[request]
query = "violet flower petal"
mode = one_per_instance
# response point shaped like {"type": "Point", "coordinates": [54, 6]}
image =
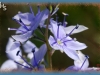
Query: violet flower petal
{"type": "Point", "coordinates": [8, 65]}
{"type": "Point", "coordinates": [45, 16]}
{"type": "Point", "coordinates": [58, 33]}
{"type": "Point", "coordinates": [12, 54]}
{"type": "Point", "coordinates": [78, 63]}
{"type": "Point", "coordinates": [22, 29]}
{"type": "Point", "coordinates": [28, 46]}
{"type": "Point", "coordinates": [75, 45]}
{"type": "Point", "coordinates": [23, 37]}
{"type": "Point", "coordinates": [26, 18]}
{"type": "Point", "coordinates": [39, 55]}
{"type": "Point", "coordinates": [70, 53]}
{"type": "Point", "coordinates": [11, 45]}
{"type": "Point", "coordinates": [80, 29]}
{"type": "Point", "coordinates": [71, 68]}
{"type": "Point", "coordinates": [38, 19]}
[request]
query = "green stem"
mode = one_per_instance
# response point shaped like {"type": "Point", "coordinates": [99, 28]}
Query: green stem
{"type": "Point", "coordinates": [48, 54]}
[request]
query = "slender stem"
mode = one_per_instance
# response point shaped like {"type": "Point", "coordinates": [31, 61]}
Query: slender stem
{"type": "Point", "coordinates": [48, 54]}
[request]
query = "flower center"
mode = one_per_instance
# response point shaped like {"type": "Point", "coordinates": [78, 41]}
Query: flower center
{"type": "Point", "coordinates": [59, 42]}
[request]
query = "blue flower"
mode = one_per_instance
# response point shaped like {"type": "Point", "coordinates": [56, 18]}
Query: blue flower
{"type": "Point", "coordinates": [14, 46]}
{"type": "Point", "coordinates": [80, 65]}
{"type": "Point", "coordinates": [25, 32]}
{"type": "Point", "coordinates": [36, 59]}
{"type": "Point", "coordinates": [64, 42]}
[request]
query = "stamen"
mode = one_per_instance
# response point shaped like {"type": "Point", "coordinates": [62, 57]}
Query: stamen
{"type": "Point", "coordinates": [57, 18]}
{"type": "Point", "coordinates": [71, 32]}
{"type": "Point", "coordinates": [86, 56]}
{"type": "Point", "coordinates": [59, 23]}
{"type": "Point", "coordinates": [77, 26]}
{"type": "Point", "coordinates": [64, 14]}
{"type": "Point", "coordinates": [23, 59]}
{"type": "Point", "coordinates": [58, 32]}
{"type": "Point", "coordinates": [12, 29]}
{"type": "Point", "coordinates": [58, 29]}
{"type": "Point", "coordinates": [31, 9]}
{"type": "Point", "coordinates": [15, 29]}
{"type": "Point", "coordinates": [33, 50]}
{"type": "Point", "coordinates": [23, 65]}
{"type": "Point", "coordinates": [84, 61]}
{"type": "Point", "coordinates": [64, 18]}
{"type": "Point", "coordinates": [38, 9]}
{"type": "Point", "coordinates": [21, 23]}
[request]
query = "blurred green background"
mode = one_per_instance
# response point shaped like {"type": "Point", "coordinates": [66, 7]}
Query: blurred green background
{"type": "Point", "coordinates": [83, 14]}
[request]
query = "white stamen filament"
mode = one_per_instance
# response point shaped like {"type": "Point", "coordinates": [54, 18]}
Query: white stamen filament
{"type": "Point", "coordinates": [12, 29]}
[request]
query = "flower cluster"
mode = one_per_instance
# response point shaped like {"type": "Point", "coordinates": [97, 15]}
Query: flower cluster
{"type": "Point", "coordinates": [59, 40]}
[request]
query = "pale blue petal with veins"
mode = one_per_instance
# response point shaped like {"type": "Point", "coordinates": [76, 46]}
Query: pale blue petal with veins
{"type": "Point", "coordinates": [8, 65]}
{"type": "Point", "coordinates": [12, 54]}
{"type": "Point", "coordinates": [23, 37]}
{"type": "Point", "coordinates": [26, 18]}
{"type": "Point", "coordinates": [80, 29]}
{"type": "Point", "coordinates": [12, 44]}
{"type": "Point", "coordinates": [28, 46]}
{"type": "Point", "coordinates": [11, 49]}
